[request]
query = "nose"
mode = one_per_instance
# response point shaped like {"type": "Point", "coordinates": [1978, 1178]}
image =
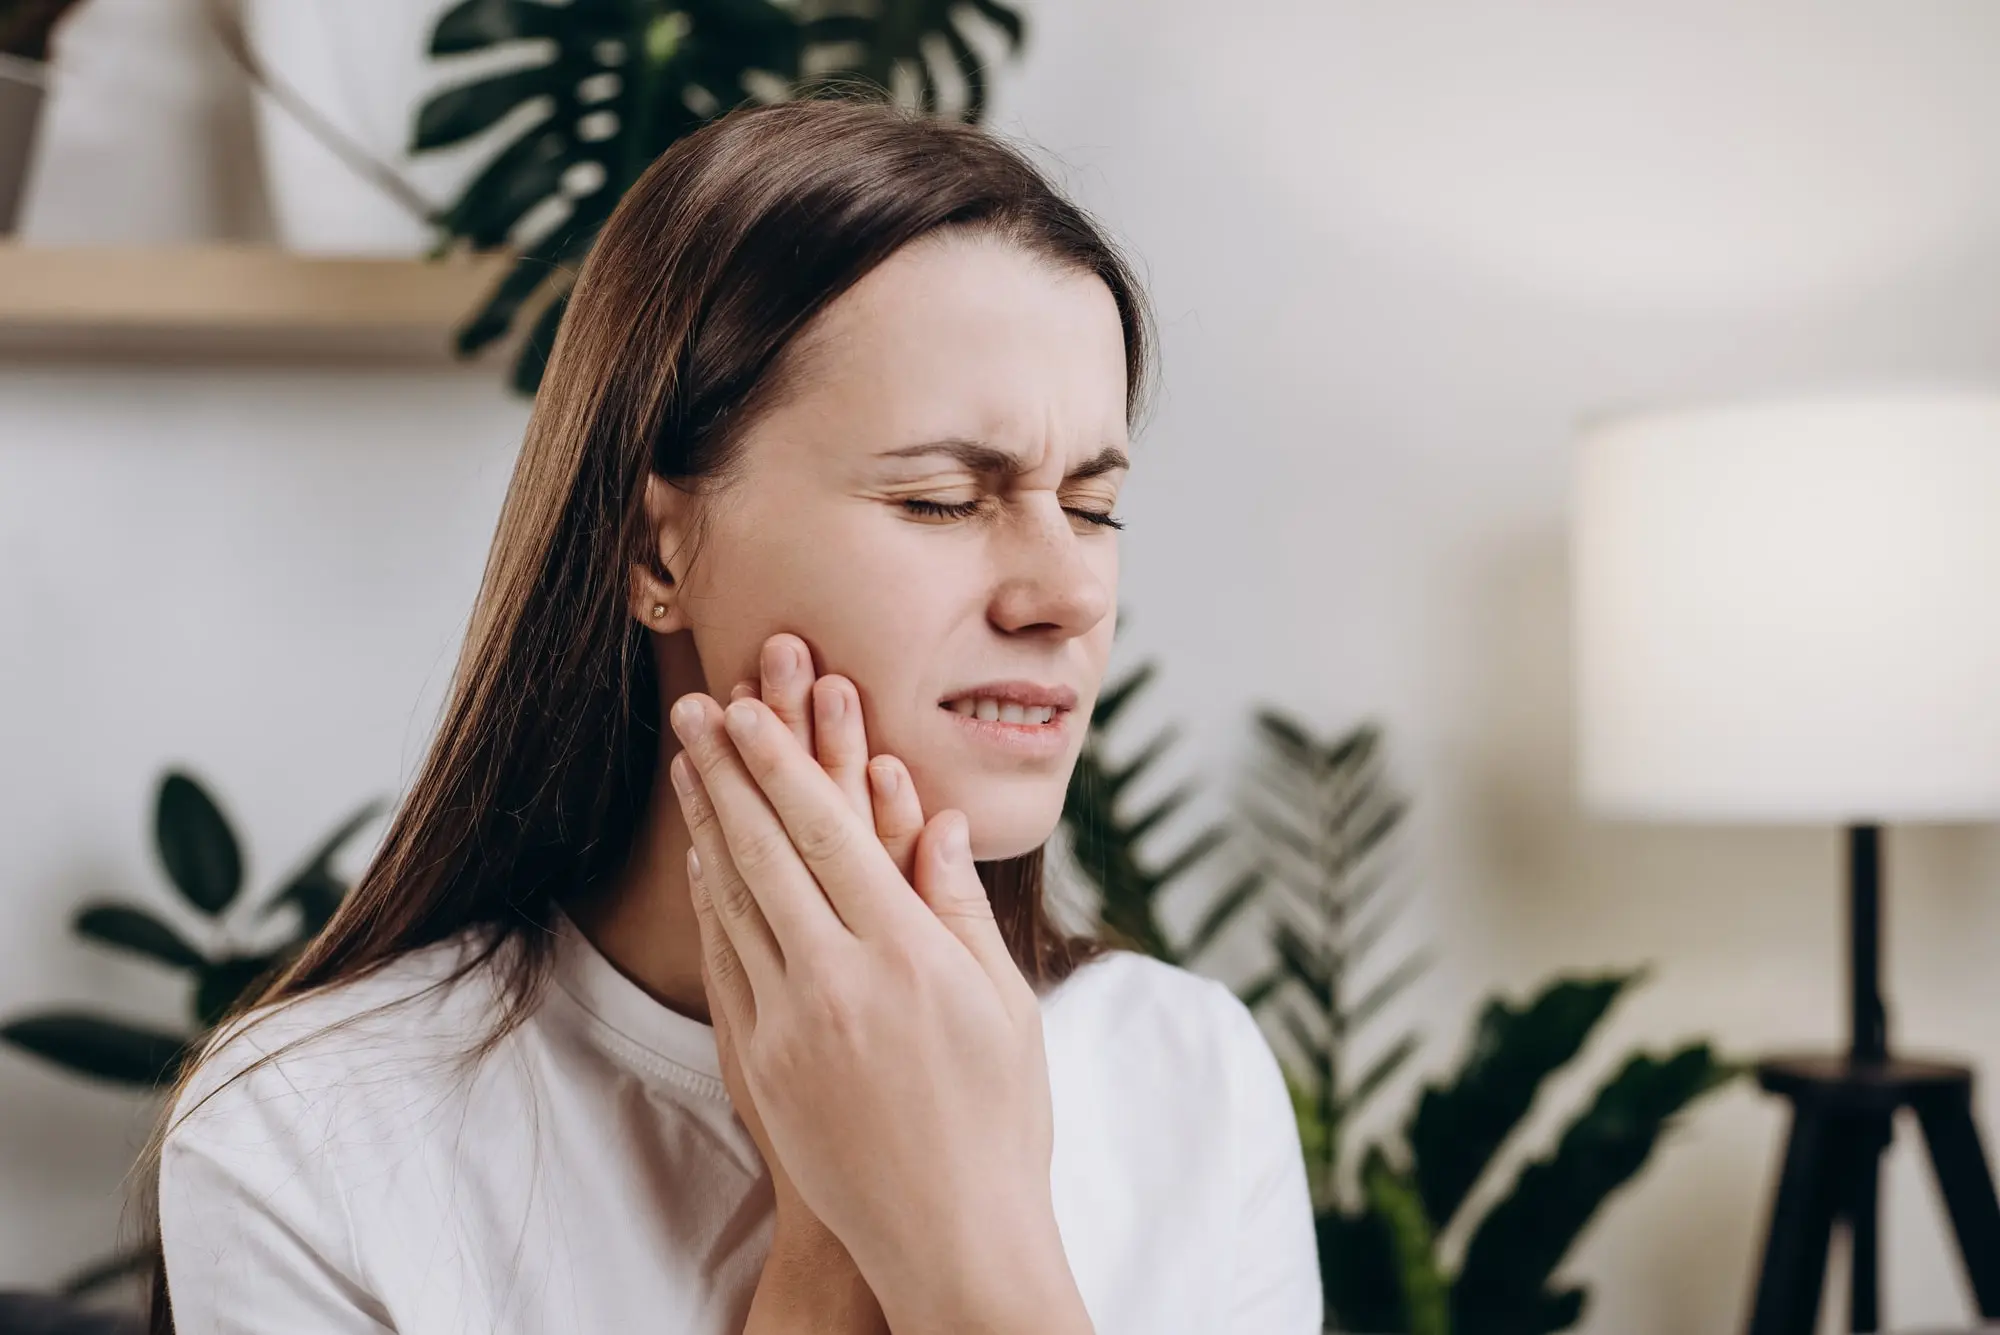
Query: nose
{"type": "Point", "coordinates": [1049, 579]}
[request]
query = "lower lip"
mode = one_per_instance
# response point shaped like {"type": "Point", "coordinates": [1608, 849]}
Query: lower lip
{"type": "Point", "coordinates": [1039, 741]}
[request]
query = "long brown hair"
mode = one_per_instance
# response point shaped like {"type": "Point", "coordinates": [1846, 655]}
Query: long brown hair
{"type": "Point", "coordinates": [675, 338]}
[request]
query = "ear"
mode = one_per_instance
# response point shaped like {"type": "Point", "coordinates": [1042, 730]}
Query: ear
{"type": "Point", "coordinates": [657, 583]}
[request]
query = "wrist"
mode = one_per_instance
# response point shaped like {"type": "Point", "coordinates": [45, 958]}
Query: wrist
{"type": "Point", "coordinates": [1014, 1285]}
{"type": "Point", "coordinates": [810, 1283]}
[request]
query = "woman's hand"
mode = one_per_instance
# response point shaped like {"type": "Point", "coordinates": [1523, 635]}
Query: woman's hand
{"type": "Point", "coordinates": [888, 1042]}
{"type": "Point", "coordinates": [810, 1281]}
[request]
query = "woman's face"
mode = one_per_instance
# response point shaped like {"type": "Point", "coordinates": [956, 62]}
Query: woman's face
{"type": "Point", "coordinates": [954, 362]}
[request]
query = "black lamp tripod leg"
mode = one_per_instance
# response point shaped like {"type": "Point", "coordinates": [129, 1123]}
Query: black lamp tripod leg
{"type": "Point", "coordinates": [1967, 1187]}
{"type": "Point", "coordinates": [1865, 1148]}
{"type": "Point", "coordinates": [1794, 1273]}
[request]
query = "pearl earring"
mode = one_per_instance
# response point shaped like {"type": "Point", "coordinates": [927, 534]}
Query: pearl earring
{"type": "Point", "coordinates": [659, 610]}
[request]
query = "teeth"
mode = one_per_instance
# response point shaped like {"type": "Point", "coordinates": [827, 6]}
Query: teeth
{"type": "Point", "coordinates": [1005, 713]}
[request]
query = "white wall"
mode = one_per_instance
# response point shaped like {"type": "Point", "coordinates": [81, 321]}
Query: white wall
{"type": "Point", "coordinates": [1396, 252]}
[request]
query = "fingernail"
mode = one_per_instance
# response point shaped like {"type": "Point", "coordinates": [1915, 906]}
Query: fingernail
{"type": "Point", "coordinates": [741, 719]}
{"type": "Point", "coordinates": [694, 865]}
{"type": "Point", "coordinates": [778, 662]}
{"type": "Point", "coordinates": [832, 704]}
{"type": "Point", "coordinates": [686, 713]}
{"type": "Point", "coordinates": [741, 690]}
{"type": "Point", "coordinates": [682, 772]}
{"type": "Point", "coordinates": [884, 778]}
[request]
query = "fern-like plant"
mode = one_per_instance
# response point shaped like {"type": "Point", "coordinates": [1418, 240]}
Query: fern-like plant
{"type": "Point", "coordinates": [1320, 817]}
{"type": "Point", "coordinates": [621, 80]}
{"type": "Point", "coordinates": [1104, 842]}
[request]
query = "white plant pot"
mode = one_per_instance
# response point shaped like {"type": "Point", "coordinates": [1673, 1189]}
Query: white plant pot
{"type": "Point", "coordinates": [21, 87]}
{"type": "Point", "coordinates": [363, 66]}
{"type": "Point", "coordinates": [145, 134]}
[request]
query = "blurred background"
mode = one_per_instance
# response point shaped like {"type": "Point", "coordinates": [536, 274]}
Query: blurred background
{"type": "Point", "coordinates": [1402, 256]}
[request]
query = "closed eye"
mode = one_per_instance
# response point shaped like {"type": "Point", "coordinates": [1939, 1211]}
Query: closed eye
{"type": "Point", "coordinates": [966, 509]}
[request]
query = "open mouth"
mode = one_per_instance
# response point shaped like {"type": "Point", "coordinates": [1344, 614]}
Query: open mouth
{"type": "Point", "coordinates": [995, 711]}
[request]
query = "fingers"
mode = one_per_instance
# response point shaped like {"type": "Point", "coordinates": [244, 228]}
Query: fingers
{"type": "Point", "coordinates": [837, 848]}
{"type": "Point", "coordinates": [787, 671]}
{"type": "Point", "coordinates": [840, 741]}
{"type": "Point", "coordinates": [949, 883]}
{"type": "Point", "coordinates": [732, 1004]}
{"type": "Point", "coordinates": [705, 772]}
{"type": "Point", "coordinates": [899, 816]}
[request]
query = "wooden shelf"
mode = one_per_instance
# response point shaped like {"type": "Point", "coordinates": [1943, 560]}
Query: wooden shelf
{"type": "Point", "coordinates": [237, 304]}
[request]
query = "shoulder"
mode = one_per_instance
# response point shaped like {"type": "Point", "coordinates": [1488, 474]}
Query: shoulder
{"type": "Point", "coordinates": [305, 1065]}
{"type": "Point", "coordinates": [1121, 987]}
{"type": "Point", "coordinates": [1133, 1010]}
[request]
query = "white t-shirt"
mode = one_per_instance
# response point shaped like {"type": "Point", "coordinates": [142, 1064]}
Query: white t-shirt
{"type": "Point", "coordinates": [590, 1175]}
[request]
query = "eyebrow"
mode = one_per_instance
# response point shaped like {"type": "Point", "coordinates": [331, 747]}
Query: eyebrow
{"type": "Point", "coordinates": [980, 457]}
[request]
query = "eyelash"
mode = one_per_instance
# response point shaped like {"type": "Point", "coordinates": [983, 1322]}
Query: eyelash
{"type": "Point", "coordinates": [966, 509]}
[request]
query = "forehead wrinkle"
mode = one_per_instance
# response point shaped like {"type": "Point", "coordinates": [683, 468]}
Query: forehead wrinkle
{"type": "Point", "coordinates": [979, 457]}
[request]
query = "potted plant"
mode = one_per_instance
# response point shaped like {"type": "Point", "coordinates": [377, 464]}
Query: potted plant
{"type": "Point", "coordinates": [1321, 889]}
{"type": "Point", "coordinates": [204, 864]}
{"type": "Point", "coordinates": [25, 29]}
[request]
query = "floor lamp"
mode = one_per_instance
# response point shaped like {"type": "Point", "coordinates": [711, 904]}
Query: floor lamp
{"type": "Point", "coordinates": [1789, 613]}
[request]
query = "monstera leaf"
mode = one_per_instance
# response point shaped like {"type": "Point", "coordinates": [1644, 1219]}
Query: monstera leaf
{"type": "Point", "coordinates": [618, 82]}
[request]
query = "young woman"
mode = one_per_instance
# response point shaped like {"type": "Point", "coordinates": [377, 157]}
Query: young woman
{"type": "Point", "coordinates": [703, 981]}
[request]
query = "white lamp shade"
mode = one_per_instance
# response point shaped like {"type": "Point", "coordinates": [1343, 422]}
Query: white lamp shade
{"type": "Point", "coordinates": [1790, 612]}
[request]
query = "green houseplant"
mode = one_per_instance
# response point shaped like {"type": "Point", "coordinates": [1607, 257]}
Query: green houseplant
{"type": "Point", "coordinates": [624, 79]}
{"type": "Point", "coordinates": [204, 864]}
{"type": "Point", "coordinates": [1324, 817]}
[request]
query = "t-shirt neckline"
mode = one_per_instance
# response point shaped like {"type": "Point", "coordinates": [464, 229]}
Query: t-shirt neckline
{"type": "Point", "coordinates": [649, 1028]}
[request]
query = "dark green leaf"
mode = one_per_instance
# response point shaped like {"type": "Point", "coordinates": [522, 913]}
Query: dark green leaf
{"type": "Point", "coordinates": [476, 25]}
{"type": "Point", "coordinates": [1287, 739]}
{"type": "Point", "coordinates": [141, 933]}
{"type": "Point", "coordinates": [519, 177]}
{"type": "Point", "coordinates": [1309, 962]}
{"type": "Point", "coordinates": [1259, 990]}
{"type": "Point", "coordinates": [1524, 1238]}
{"type": "Point", "coordinates": [1379, 1073]}
{"type": "Point", "coordinates": [1357, 1263]}
{"type": "Point", "coordinates": [317, 895]}
{"type": "Point", "coordinates": [1008, 22]}
{"type": "Point", "coordinates": [1386, 991]}
{"type": "Point", "coordinates": [226, 980]}
{"type": "Point", "coordinates": [320, 859]}
{"type": "Point", "coordinates": [1313, 1048]}
{"type": "Point", "coordinates": [1143, 824]}
{"type": "Point", "coordinates": [464, 110]}
{"type": "Point", "coordinates": [1392, 1197]}
{"type": "Point", "coordinates": [830, 29]}
{"type": "Point", "coordinates": [1283, 837]}
{"type": "Point", "coordinates": [313, 887]}
{"type": "Point", "coordinates": [1119, 779]}
{"type": "Point", "coordinates": [196, 845]}
{"type": "Point", "coordinates": [971, 68]}
{"type": "Point", "coordinates": [535, 348]}
{"type": "Point", "coordinates": [1458, 1127]}
{"type": "Point", "coordinates": [1196, 849]}
{"type": "Point", "coordinates": [1112, 700]}
{"type": "Point", "coordinates": [105, 1049]}
{"type": "Point", "coordinates": [1222, 911]}
{"type": "Point", "coordinates": [107, 1271]}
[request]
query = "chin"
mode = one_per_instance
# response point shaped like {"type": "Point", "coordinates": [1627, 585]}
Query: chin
{"type": "Point", "coordinates": [1009, 831]}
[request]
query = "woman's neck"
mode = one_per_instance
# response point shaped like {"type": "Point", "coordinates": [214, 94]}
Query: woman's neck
{"type": "Point", "coordinates": [644, 923]}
